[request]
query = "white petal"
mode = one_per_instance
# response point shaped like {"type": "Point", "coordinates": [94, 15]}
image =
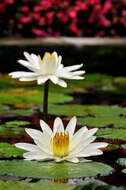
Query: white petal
{"type": "Point", "coordinates": [35, 134]}
{"type": "Point", "coordinates": [35, 156]}
{"type": "Point", "coordinates": [71, 127]}
{"type": "Point", "coordinates": [28, 56]}
{"type": "Point", "coordinates": [76, 77]}
{"type": "Point", "coordinates": [97, 145]}
{"type": "Point", "coordinates": [24, 63]}
{"type": "Point", "coordinates": [62, 83]}
{"type": "Point", "coordinates": [46, 128]}
{"type": "Point", "coordinates": [77, 137]}
{"type": "Point", "coordinates": [46, 63]}
{"type": "Point", "coordinates": [54, 63]}
{"type": "Point", "coordinates": [23, 79]}
{"type": "Point", "coordinates": [78, 73]}
{"type": "Point", "coordinates": [54, 79]}
{"type": "Point", "coordinates": [81, 145]}
{"type": "Point", "coordinates": [27, 146]}
{"type": "Point", "coordinates": [74, 160]}
{"type": "Point", "coordinates": [46, 148]}
{"type": "Point", "coordinates": [91, 152]}
{"type": "Point", "coordinates": [72, 68]}
{"type": "Point", "coordinates": [58, 126]}
{"type": "Point", "coordinates": [42, 79]}
{"type": "Point", "coordinates": [19, 74]}
{"type": "Point", "coordinates": [35, 61]}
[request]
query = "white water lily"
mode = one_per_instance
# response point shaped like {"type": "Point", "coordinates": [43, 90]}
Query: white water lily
{"type": "Point", "coordinates": [48, 68]}
{"type": "Point", "coordinates": [61, 144]}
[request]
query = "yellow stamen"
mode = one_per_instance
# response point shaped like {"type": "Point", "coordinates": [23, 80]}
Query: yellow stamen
{"type": "Point", "coordinates": [60, 144]}
{"type": "Point", "coordinates": [51, 57]}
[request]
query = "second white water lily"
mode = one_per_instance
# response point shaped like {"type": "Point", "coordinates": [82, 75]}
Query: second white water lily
{"type": "Point", "coordinates": [61, 144]}
{"type": "Point", "coordinates": [48, 68]}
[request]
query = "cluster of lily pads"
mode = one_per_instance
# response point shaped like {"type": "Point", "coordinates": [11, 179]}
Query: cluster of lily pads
{"type": "Point", "coordinates": [21, 104]}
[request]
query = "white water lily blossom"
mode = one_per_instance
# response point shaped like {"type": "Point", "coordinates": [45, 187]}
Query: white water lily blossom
{"type": "Point", "coordinates": [62, 144]}
{"type": "Point", "coordinates": [48, 68]}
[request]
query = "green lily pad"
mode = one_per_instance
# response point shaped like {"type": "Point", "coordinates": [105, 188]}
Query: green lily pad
{"type": "Point", "coordinates": [120, 82]}
{"type": "Point", "coordinates": [16, 123]}
{"type": "Point", "coordinates": [20, 185]}
{"type": "Point", "coordinates": [23, 112]}
{"type": "Point", "coordinates": [103, 121]}
{"type": "Point", "coordinates": [8, 150]}
{"type": "Point", "coordinates": [37, 98]}
{"type": "Point", "coordinates": [111, 133]}
{"type": "Point", "coordinates": [123, 146]}
{"type": "Point", "coordinates": [11, 132]}
{"type": "Point", "coordinates": [36, 169]}
{"type": "Point", "coordinates": [4, 107]}
{"type": "Point", "coordinates": [122, 161]}
{"type": "Point", "coordinates": [94, 110]}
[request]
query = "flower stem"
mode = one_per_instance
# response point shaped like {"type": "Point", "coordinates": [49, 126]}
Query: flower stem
{"type": "Point", "coordinates": [45, 99]}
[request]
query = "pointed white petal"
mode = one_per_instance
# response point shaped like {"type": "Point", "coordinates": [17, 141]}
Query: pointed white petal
{"type": "Point", "coordinates": [77, 137]}
{"type": "Point", "coordinates": [74, 160]}
{"type": "Point", "coordinates": [54, 79]}
{"type": "Point", "coordinates": [24, 79]}
{"type": "Point", "coordinates": [35, 156]}
{"type": "Point", "coordinates": [42, 79]}
{"type": "Point", "coordinates": [27, 146]}
{"type": "Point", "coordinates": [58, 126]}
{"type": "Point", "coordinates": [62, 83]}
{"type": "Point", "coordinates": [71, 127]}
{"type": "Point", "coordinates": [54, 63]}
{"type": "Point", "coordinates": [98, 145]}
{"type": "Point", "coordinates": [35, 134]}
{"type": "Point", "coordinates": [46, 148]}
{"type": "Point", "coordinates": [72, 68]}
{"type": "Point", "coordinates": [81, 145]}
{"type": "Point", "coordinates": [46, 128]}
{"type": "Point", "coordinates": [76, 77]}
{"type": "Point", "coordinates": [78, 73]}
{"type": "Point", "coordinates": [24, 63]}
{"type": "Point", "coordinates": [82, 137]}
{"type": "Point", "coordinates": [46, 63]}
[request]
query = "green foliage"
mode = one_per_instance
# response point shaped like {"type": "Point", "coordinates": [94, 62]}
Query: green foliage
{"type": "Point", "coordinates": [21, 98]}
{"type": "Point", "coordinates": [111, 133]}
{"type": "Point", "coordinates": [22, 185]}
{"type": "Point", "coordinates": [103, 121]}
{"type": "Point", "coordinates": [16, 123]}
{"type": "Point", "coordinates": [85, 110]}
{"type": "Point", "coordinates": [36, 169]}
{"type": "Point", "coordinates": [9, 150]}
{"type": "Point", "coordinates": [4, 108]}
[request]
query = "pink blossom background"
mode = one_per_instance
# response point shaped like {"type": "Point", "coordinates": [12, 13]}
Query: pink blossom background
{"type": "Point", "coordinates": [54, 18]}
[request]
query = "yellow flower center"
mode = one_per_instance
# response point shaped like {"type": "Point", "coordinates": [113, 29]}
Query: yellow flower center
{"type": "Point", "coordinates": [60, 144]}
{"type": "Point", "coordinates": [51, 57]}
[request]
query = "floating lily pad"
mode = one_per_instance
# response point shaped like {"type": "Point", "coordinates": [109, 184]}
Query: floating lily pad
{"type": "Point", "coordinates": [67, 110]}
{"type": "Point", "coordinates": [4, 107]}
{"type": "Point", "coordinates": [11, 132]}
{"type": "Point", "coordinates": [21, 185]}
{"type": "Point", "coordinates": [103, 121]}
{"type": "Point", "coordinates": [23, 112]}
{"type": "Point", "coordinates": [8, 150]}
{"type": "Point", "coordinates": [16, 123]}
{"type": "Point", "coordinates": [23, 168]}
{"type": "Point", "coordinates": [94, 110]}
{"type": "Point", "coordinates": [110, 133]}
{"type": "Point", "coordinates": [37, 98]}
{"type": "Point", "coordinates": [123, 146]}
{"type": "Point", "coordinates": [122, 161]}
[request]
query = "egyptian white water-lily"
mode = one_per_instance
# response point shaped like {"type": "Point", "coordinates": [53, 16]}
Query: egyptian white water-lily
{"type": "Point", "coordinates": [48, 68]}
{"type": "Point", "coordinates": [61, 144]}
